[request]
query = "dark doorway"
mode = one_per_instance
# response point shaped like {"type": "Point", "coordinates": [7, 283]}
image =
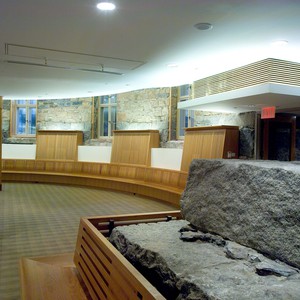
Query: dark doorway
{"type": "Point", "coordinates": [279, 138]}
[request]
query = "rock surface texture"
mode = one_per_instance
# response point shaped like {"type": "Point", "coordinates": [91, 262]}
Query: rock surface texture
{"type": "Point", "coordinates": [205, 266]}
{"type": "Point", "coordinates": [254, 203]}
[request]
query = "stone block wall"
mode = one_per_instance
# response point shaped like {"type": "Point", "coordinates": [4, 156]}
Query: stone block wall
{"type": "Point", "coordinates": [5, 121]}
{"type": "Point", "coordinates": [144, 109]}
{"type": "Point", "coordinates": [65, 114]}
{"type": "Point", "coordinates": [207, 118]}
{"type": "Point", "coordinates": [62, 114]}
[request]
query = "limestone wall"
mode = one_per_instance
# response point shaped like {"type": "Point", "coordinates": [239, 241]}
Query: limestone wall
{"type": "Point", "coordinates": [65, 114]}
{"type": "Point", "coordinates": [144, 109]}
{"type": "Point", "coordinates": [62, 114]}
{"type": "Point", "coordinates": [5, 121]}
{"type": "Point", "coordinates": [207, 118]}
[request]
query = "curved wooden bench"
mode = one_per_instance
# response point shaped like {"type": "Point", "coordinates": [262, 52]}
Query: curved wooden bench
{"type": "Point", "coordinates": [101, 272]}
{"type": "Point", "coordinates": [162, 184]}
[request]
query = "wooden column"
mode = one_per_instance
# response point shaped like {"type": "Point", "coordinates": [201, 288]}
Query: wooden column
{"type": "Point", "coordinates": [1, 104]}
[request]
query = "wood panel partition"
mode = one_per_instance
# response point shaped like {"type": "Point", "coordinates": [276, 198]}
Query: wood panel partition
{"type": "Point", "coordinates": [209, 142]}
{"type": "Point", "coordinates": [58, 144]}
{"type": "Point", "coordinates": [134, 146]}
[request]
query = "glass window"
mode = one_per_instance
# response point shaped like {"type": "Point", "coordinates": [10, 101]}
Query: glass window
{"type": "Point", "coordinates": [107, 115]}
{"type": "Point", "coordinates": [21, 120]}
{"type": "Point", "coordinates": [23, 117]}
{"type": "Point", "coordinates": [32, 120]}
{"type": "Point", "coordinates": [185, 117]}
{"type": "Point", "coordinates": [104, 99]}
{"type": "Point", "coordinates": [184, 91]}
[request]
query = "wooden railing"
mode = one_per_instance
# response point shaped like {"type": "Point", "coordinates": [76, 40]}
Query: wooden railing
{"type": "Point", "coordinates": [162, 184]}
{"type": "Point", "coordinates": [105, 272]}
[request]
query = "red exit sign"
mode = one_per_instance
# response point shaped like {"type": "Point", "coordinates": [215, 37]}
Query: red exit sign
{"type": "Point", "coordinates": [268, 112]}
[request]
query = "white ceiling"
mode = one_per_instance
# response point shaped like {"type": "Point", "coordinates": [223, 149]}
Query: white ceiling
{"type": "Point", "coordinates": [139, 39]}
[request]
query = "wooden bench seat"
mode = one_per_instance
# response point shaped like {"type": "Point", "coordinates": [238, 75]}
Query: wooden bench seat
{"type": "Point", "coordinates": [162, 184]}
{"type": "Point", "coordinates": [99, 272]}
{"type": "Point", "coordinates": [51, 277]}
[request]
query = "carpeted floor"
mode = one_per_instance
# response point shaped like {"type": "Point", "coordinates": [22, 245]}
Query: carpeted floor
{"type": "Point", "coordinates": [40, 219]}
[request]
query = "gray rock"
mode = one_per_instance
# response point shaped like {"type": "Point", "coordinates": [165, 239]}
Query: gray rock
{"type": "Point", "coordinates": [197, 270]}
{"type": "Point", "coordinates": [191, 236]}
{"type": "Point", "coordinates": [237, 251]}
{"type": "Point", "coordinates": [254, 203]}
{"type": "Point", "coordinates": [246, 142]}
{"type": "Point", "coordinates": [188, 227]}
{"type": "Point", "coordinates": [273, 268]}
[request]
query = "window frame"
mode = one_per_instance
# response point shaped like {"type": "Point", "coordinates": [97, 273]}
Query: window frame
{"type": "Point", "coordinates": [13, 123]}
{"type": "Point", "coordinates": [188, 114]}
{"type": "Point", "coordinates": [110, 123]}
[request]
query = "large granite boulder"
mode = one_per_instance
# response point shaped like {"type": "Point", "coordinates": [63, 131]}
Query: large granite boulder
{"type": "Point", "coordinates": [186, 264]}
{"type": "Point", "coordinates": [254, 203]}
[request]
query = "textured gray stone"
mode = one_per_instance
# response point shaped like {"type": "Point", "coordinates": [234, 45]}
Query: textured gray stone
{"type": "Point", "coordinates": [246, 142]}
{"type": "Point", "coordinates": [273, 268]}
{"type": "Point", "coordinates": [254, 203]}
{"type": "Point", "coordinates": [200, 270]}
{"type": "Point", "coordinates": [237, 251]}
{"type": "Point", "coordinates": [192, 236]}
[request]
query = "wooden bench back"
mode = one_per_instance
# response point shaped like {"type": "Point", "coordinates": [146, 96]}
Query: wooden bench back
{"type": "Point", "coordinates": [165, 177]}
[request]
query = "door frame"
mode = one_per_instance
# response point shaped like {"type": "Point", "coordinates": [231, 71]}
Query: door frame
{"type": "Point", "coordinates": [290, 119]}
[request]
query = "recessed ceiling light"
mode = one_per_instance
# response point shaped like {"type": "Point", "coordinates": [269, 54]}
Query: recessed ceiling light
{"type": "Point", "coordinates": [106, 6]}
{"type": "Point", "coordinates": [280, 43]}
{"type": "Point", "coordinates": [203, 26]}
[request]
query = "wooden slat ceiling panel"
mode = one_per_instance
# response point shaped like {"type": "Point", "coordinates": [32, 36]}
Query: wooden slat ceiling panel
{"type": "Point", "coordinates": [268, 70]}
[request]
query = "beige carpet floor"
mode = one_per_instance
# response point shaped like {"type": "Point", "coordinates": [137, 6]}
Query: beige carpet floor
{"type": "Point", "coordinates": [40, 219]}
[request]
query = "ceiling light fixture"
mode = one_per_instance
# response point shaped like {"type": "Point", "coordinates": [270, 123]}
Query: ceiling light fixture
{"type": "Point", "coordinates": [203, 26]}
{"type": "Point", "coordinates": [280, 43]}
{"type": "Point", "coordinates": [172, 65]}
{"type": "Point", "coordinates": [106, 6]}
{"type": "Point", "coordinates": [65, 67]}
